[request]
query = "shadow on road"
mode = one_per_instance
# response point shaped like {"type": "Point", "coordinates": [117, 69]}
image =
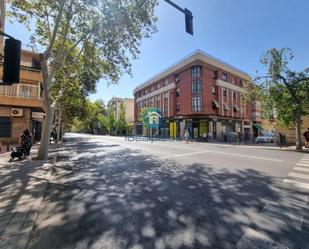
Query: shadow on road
{"type": "Point", "coordinates": [105, 196]}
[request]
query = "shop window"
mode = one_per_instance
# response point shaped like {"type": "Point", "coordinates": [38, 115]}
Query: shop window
{"type": "Point", "coordinates": [196, 87]}
{"type": "Point", "coordinates": [196, 72]}
{"type": "Point", "coordinates": [5, 126]}
{"type": "Point", "coordinates": [196, 104]}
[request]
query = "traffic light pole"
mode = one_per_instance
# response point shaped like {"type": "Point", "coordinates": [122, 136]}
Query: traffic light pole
{"type": "Point", "coordinates": [188, 16]}
{"type": "Point", "coordinates": [5, 34]}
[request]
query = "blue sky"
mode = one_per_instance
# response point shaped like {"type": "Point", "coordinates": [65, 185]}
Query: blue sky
{"type": "Point", "coordinates": [235, 31]}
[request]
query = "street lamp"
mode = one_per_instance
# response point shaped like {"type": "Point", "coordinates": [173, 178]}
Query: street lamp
{"type": "Point", "coordinates": [188, 16]}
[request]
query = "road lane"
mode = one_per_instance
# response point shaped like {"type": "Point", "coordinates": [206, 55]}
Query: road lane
{"type": "Point", "coordinates": [112, 194]}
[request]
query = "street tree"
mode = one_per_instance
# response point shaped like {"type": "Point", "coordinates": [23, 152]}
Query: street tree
{"type": "Point", "coordinates": [121, 122]}
{"type": "Point", "coordinates": [111, 120]}
{"type": "Point", "coordinates": [115, 28]}
{"type": "Point", "coordinates": [285, 92]}
{"type": "Point", "coordinates": [76, 79]}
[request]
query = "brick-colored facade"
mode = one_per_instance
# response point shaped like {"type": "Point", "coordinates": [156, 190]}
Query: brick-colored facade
{"type": "Point", "coordinates": [25, 97]}
{"type": "Point", "coordinates": [199, 93]}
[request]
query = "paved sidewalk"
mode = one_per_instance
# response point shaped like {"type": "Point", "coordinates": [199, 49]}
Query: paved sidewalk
{"type": "Point", "coordinates": [22, 187]}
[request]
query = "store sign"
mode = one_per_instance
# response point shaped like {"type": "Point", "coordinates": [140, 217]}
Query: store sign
{"type": "Point", "coordinates": [152, 118]}
{"type": "Point", "coordinates": [38, 115]}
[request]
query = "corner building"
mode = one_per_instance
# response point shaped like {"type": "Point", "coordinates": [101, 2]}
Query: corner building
{"type": "Point", "coordinates": [201, 93]}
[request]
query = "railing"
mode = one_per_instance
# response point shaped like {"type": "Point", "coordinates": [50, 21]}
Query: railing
{"type": "Point", "coordinates": [21, 91]}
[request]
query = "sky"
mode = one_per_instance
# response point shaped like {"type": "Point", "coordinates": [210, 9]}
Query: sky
{"type": "Point", "coordinates": [238, 32]}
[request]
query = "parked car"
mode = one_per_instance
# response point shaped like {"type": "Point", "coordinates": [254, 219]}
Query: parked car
{"type": "Point", "coordinates": [266, 138]}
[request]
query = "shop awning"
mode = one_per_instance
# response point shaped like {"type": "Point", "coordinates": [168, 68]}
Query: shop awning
{"type": "Point", "coordinates": [258, 127]}
{"type": "Point", "coordinates": [216, 104]}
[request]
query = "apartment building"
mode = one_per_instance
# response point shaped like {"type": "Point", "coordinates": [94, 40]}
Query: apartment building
{"type": "Point", "coordinates": [128, 103]}
{"type": "Point", "coordinates": [200, 93]}
{"type": "Point", "coordinates": [21, 105]}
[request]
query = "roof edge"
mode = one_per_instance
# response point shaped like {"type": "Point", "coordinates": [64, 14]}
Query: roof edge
{"type": "Point", "coordinates": [197, 53]}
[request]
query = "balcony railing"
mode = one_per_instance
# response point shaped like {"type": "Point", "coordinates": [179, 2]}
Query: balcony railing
{"type": "Point", "coordinates": [21, 91]}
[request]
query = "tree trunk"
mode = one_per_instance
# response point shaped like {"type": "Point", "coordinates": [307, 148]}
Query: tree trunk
{"type": "Point", "coordinates": [47, 125]}
{"type": "Point", "coordinates": [59, 121]}
{"type": "Point", "coordinates": [299, 145]}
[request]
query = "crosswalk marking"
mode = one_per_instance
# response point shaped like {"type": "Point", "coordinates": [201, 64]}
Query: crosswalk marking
{"type": "Point", "coordinates": [303, 169]}
{"type": "Point", "coordinates": [297, 184]}
{"type": "Point", "coordinates": [297, 175]}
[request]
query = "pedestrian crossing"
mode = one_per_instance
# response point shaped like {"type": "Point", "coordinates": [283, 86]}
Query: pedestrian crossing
{"type": "Point", "coordinates": [299, 176]}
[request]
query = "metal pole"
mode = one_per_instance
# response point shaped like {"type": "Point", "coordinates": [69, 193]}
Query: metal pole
{"type": "Point", "coordinates": [175, 5]}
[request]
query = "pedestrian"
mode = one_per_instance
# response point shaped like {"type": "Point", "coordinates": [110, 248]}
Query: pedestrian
{"type": "Point", "coordinates": [306, 135]}
{"type": "Point", "coordinates": [187, 136]}
{"type": "Point", "coordinates": [246, 137]}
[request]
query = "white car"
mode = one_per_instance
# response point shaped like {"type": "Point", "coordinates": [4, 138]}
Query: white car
{"type": "Point", "coordinates": [265, 138]}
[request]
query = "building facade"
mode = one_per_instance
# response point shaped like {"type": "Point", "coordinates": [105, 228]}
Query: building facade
{"type": "Point", "coordinates": [128, 103]}
{"type": "Point", "coordinates": [21, 105]}
{"type": "Point", "coordinates": [200, 93]}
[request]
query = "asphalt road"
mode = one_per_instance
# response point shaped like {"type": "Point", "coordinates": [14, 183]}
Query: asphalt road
{"type": "Point", "coordinates": [110, 193]}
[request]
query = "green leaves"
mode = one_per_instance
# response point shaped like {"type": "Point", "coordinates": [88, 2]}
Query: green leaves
{"type": "Point", "coordinates": [287, 91]}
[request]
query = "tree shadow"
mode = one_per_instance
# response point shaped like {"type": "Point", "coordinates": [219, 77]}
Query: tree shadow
{"type": "Point", "coordinates": [104, 196]}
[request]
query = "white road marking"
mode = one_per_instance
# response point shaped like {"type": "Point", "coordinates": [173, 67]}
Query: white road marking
{"type": "Point", "coordinates": [302, 176]}
{"type": "Point", "coordinates": [247, 156]}
{"type": "Point", "coordinates": [303, 164]}
{"type": "Point", "coordinates": [186, 154]}
{"type": "Point", "coordinates": [303, 169]}
{"type": "Point", "coordinates": [297, 184]}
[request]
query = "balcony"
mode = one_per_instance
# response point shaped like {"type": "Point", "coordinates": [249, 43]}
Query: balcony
{"type": "Point", "coordinates": [23, 95]}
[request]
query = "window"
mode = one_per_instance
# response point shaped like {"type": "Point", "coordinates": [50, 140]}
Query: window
{"type": "Point", "coordinates": [197, 87]}
{"type": "Point", "coordinates": [196, 72]}
{"type": "Point", "coordinates": [151, 89]}
{"type": "Point", "coordinates": [165, 107]}
{"type": "Point", "coordinates": [5, 126]}
{"type": "Point", "coordinates": [177, 107]}
{"type": "Point", "coordinates": [177, 92]}
{"type": "Point", "coordinates": [213, 90]}
{"type": "Point", "coordinates": [234, 81]}
{"type": "Point", "coordinates": [224, 92]}
{"type": "Point", "coordinates": [234, 95]}
{"type": "Point", "coordinates": [145, 91]}
{"type": "Point", "coordinates": [197, 104]}
{"type": "Point", "coordinates": [224, 76]}
{"type": "Point", "coordinates": [158, 85]}
{"type": "Point", "coordinates": [165, 82]}
{"type": "Point", "coordinates": [240, 83]}
{"type": "Point", "coordinates": [215, 75]}
{"type": "Point", "coordinates": [176, 78]}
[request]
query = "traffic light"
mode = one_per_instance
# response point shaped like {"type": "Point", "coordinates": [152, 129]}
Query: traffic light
{"type": "Point", "coordinates": [11, 63]}
{"type": "Point", "coordinates": [189, 21]}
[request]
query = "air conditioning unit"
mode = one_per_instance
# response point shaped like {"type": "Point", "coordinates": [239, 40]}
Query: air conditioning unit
{"type": "Point", "coordinates": [16, 112]}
